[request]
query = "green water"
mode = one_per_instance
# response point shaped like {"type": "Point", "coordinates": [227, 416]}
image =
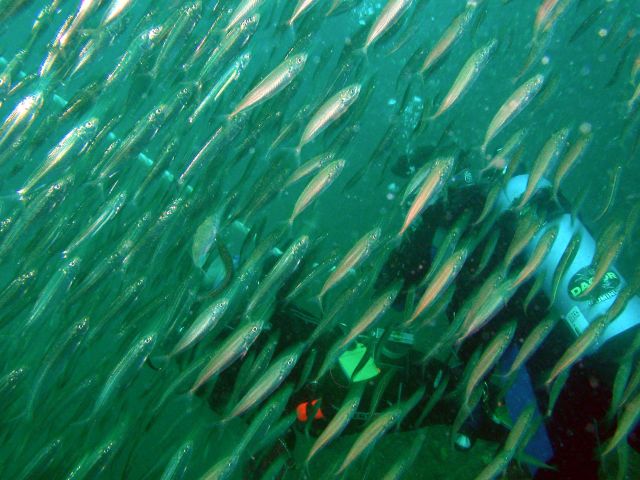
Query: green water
{"type": "Point", "coordinates": [124, 216]}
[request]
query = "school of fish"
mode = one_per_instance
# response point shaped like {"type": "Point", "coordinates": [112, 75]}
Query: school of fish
{"type": "Point", "coordinates": [173, 174]}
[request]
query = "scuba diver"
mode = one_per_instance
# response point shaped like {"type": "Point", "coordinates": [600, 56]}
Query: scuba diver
{"type": "Point", "coordinates": [395, 361]}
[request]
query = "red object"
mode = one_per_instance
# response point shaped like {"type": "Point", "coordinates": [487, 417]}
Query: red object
{"type": "Point", "coordinates": [302, 408]}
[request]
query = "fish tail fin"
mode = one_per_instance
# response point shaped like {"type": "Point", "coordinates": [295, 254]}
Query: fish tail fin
{"type": "Point", "coordinates": [318, 301]}
{"type": "Point", "coordinates": [305, 466]}
{"type": "Point", "coordinates": [288, 26]}
{"type": "Point", "coordinates": [324, 368]}
{"type": "Point", "coordinates": [16, 197]}
{"type": "Point", "coordinates": [507, 379]}
{"type": "Point", "coordinates": [98, 184]}
{"type": "Point", "coordinates": [295, 152]}
{"type": "Point", "coordinates": [363, 52]}
{"type": "Point", "coordinates": [505, 375]}
{"type": "Point", "coordinates": [400, 43]}
{"type": "Point", "coordinates": [200, 382]}
{"type": "Point", "coordinates": [533, 48]}
{"type": "Point", "coordinates": [219, 422]}
{"type": "Point", "coordinates": [30, 408]}
{"type": "Point", "coordinates": [340, 471]}
{"type": "Point", "coordinates": [554, 197]}
{"type": "Point", "coordinates": [410, 318]}
{"type": "Point", "coordinates": [21, 194]}
{"type": "Point", "coordinates": [481, 174]}
{"type": "Point", "coordinates": [84, 421]}
{"type": "Point", "coordinates": [285, 227]}
{"type": "Point", "coordinates": [433, 117]}
{"type": "Point", "coordinates": [159, 362]}
{"type": "Point", "coordinates": [610, 416]}
{"type": "Point", "coordinates": [552, 297]}
{"type": "Point", "coordinates": [16, 417]}
{"type": "Point", "coordinates": [234, 113]}
{"type": "Point", "coordinates": [435, 112]}
{"type": "Point", "coordinates": [525, 458]}
{"type": "Point", "coordinates": [550, 379]}
{"type": "Point", "coordinates": [408, 77]}
{"type": "Point", "coordinates": [605, 449]}
{"type": "Point", "coordinates": [362, 57]}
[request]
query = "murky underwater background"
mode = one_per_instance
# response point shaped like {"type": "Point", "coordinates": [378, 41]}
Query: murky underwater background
{"type": "Point", "coordinates": [195, 230]}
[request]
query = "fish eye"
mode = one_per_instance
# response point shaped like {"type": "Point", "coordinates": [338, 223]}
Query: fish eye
{"type": "Point", "coordinates": [254, 329]}
{"type": "Point", "coordinates": [299, 60]}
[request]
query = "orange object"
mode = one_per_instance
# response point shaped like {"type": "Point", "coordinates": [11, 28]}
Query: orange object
{"type": "Point", "coordinates": [302, 409]}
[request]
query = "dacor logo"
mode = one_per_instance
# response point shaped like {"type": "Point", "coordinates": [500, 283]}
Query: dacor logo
{"type": "Point", "coordinates": [583, 279]}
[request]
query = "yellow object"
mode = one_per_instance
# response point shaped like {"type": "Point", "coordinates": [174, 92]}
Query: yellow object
{"type": "Point", "coordinates": [349, 361]}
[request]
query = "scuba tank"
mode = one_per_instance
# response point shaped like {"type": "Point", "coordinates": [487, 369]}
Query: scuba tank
{"type": "Point", "coordinates": [577, 310]}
